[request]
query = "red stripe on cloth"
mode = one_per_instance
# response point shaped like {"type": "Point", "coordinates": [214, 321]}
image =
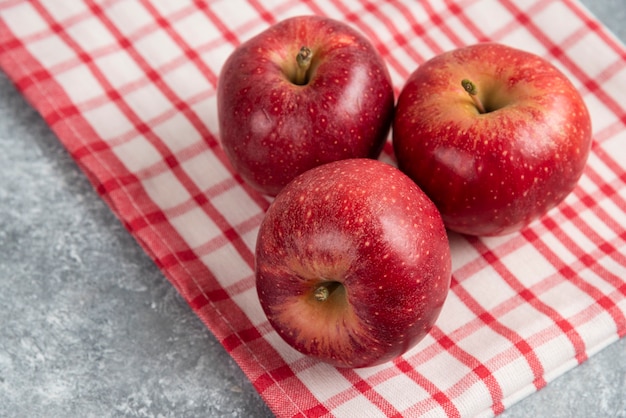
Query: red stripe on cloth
{"type": "Point", "coordinates": [8, 4]}
{"type": "Point", "coordinates": [354, 18]}
{"type": "Point", "coordinates": [269, 379]}
{"type": "Point", "coordinates": [263, 12]}
{"type": "Point", "coordinates": [616, 46]}
{"type": "Point", "coordinates": [478, 369]}
{"type": "Point", "coordinates": [530, 297]}
{"type": "Point", "coordinates": [571, 272]}
{"type": "Point", "coordinates": [189, 52]}
{"type": "Point", "coordinates": [443, 400]}
{"type": "Point", "coordinates": [398, 37]}
{"type": "Point", "coordinates": [244, 336]}
{"type": "Point", "coordinates": [469, 22]}
{"type": "Point", "coordinates": [223, 28]}
{"type": "Point", "coordinates": [610, 191]}
{"type": "Point", "coordinates": [440, 21]}
{"type": "Point", "coordinates": [315, 412]}
{"type": "Point", "coordinates": [440, 398]}
{"type": "Point", "coordinates": [364, 387]}
{"type": "Point", "coordinates": [62, 113]}
{"type": "Point", "coordinates": [419, 30]}
{"type": "Point", "coordinates": [249, 334]}
{"type": "Point", "coordinates": [591, 232]}
{"type": "Point", "coordinates": [32, 78]}
{"type": "Point", "coordinates": [12, 43]}
{"type": "Point", "coordinates": [516, 340]}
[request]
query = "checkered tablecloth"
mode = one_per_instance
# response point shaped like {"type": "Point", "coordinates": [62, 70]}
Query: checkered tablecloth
{"type": "Point", "coordinates": [129, 89]}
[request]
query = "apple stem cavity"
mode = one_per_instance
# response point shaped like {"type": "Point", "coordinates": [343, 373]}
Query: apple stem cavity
{"type": "Point", "coordinates": [470, 88]}
{"type": "Point", "coordinates": [323, 292]}
{"type": "Point", "coordinates": [304, 57]}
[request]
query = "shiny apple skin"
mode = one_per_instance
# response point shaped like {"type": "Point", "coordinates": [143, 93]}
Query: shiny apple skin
{"type": "Point", "coordinates": [492, 173]}
{"type": "Point", "coordinates": [366, 225]}
{"type": "Point", "coordinates": [273, 129]}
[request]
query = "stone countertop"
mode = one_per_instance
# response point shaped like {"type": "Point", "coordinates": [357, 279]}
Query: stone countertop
{"type": "Point", "coordinates": [90, 327]}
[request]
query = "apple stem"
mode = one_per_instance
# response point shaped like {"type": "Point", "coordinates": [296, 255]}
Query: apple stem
{"type": "Point", "coordinates": [304, 62]}
{"type": "Point", "coordinates": [323, 292]}
{"type": "Point", "coordinates": [470, 88]}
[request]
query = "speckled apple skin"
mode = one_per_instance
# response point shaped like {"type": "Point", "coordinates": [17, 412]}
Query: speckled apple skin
{"type": "Point", "coordinates": [272, 129]}
{"type": "Point", "coordinates": [366, 225]}
{"type": "Point", "coordinates": [492, 173]}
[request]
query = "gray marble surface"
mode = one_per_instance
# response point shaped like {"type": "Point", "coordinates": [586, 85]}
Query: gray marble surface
{"type": "Point", "coordinates": [90, 327]}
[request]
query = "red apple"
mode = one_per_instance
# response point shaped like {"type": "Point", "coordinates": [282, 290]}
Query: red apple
{"type": "Point", "coordinates": [352, 263]}
{"type": "Point", "coordinates": [307, 91]}
{"type": "Point", "coordinates": [495, 136]}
